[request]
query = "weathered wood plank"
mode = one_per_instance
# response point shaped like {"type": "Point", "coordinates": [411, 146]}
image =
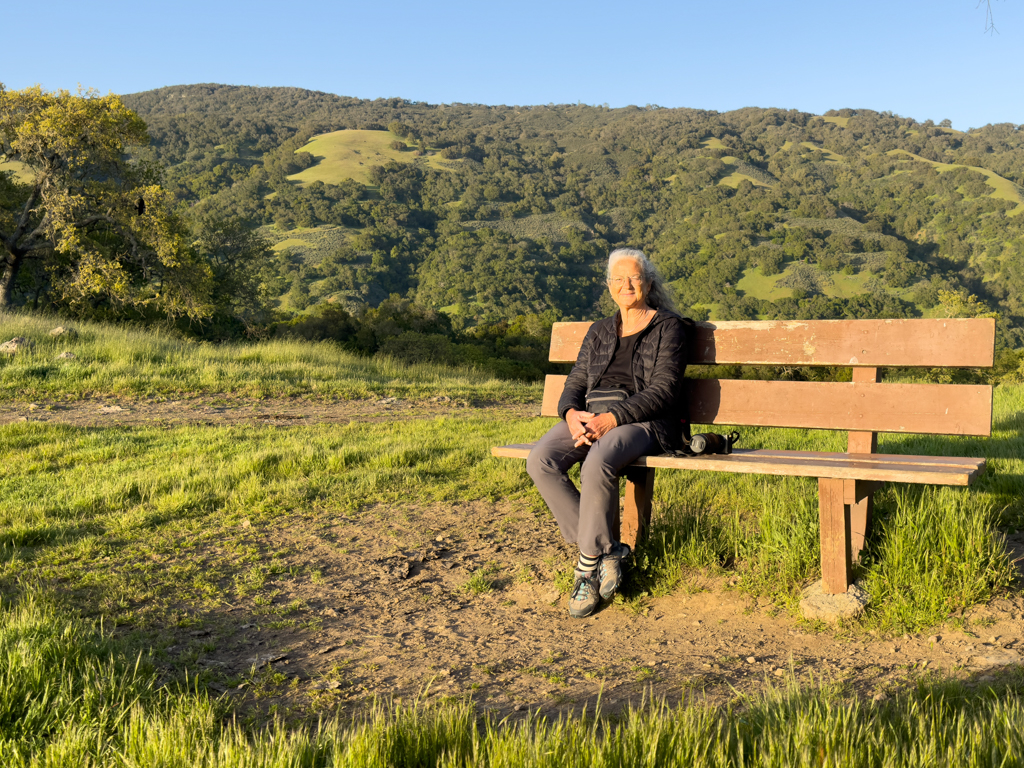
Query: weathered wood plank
{"type": "Point", "coordinates": [520, 450]}
{"type": "Point", "coordinates": [881, 458]}
{"type": "Point", "coordinates": [929, 409]}
{"type": "Point", "coordinates": [926, 343]}
{"type": "Point", "coordinates": [864, 442]}
{"type": "Point", "coordinates": [834, 516]}
{"type": "Point", "coordinates": [845, 469]}
{"type": "Point", "coordinates": [553, 386]}
{"type": "Point", "coordinates": [797, 464]}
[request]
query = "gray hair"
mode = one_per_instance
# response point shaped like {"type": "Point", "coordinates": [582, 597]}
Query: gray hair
{"type": "Point", "coordinates": [658, 296]}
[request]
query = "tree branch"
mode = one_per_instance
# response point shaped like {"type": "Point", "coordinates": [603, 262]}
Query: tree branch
{"type": "Point", "coordinates": [124, 232]}
{"type": "Point", "coordinates": [26, 211]}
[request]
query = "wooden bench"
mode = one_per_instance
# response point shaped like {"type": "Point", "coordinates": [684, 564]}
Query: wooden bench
{"type": "Point", "coordinates": [863, 407]}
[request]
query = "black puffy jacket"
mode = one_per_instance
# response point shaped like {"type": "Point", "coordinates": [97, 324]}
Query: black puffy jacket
{"type": "Point", "coordinates": [659, 362]}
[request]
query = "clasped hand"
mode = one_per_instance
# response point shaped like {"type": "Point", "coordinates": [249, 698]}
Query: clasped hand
{"type": "Point", "coordinates": [586, 427]}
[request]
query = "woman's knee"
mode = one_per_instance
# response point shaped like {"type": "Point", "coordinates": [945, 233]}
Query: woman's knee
{"type": "Point", "coordinates": [540, 463]}
{"type": "Point", "coordinates": [599, 465]}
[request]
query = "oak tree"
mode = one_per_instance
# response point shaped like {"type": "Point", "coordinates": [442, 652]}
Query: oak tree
{"type": "Point", "coordinates": [93, 220]}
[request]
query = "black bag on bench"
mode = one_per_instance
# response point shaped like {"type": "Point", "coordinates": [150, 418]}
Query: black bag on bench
{"type": "Point", "coordinates": [706, 443]}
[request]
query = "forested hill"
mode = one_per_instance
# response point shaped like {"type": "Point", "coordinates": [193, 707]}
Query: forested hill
{"type": "Point", "coordinates": [491, 212]}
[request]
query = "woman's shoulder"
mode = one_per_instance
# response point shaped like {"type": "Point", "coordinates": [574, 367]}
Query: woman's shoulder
{"type": "Point", "coordinates": [670, 319]}
{"type": "Point", "coordinates": [603, 327]}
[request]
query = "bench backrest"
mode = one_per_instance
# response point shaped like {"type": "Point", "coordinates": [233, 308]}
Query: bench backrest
{"type": "Point", "coordinates": [863, 406]}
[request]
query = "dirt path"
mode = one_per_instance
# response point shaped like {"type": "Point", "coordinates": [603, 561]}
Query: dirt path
{"type": "Point", "coordinates": [392, 612]}
{"type": "Point", "coordinates": [110, 411]}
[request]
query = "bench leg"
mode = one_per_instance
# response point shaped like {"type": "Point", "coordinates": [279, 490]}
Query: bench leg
{"type": "Point", "coordinates": [860, 498]}
{"type": "Point", "coordinates": [834, 514]}
{"type": "Point", "coordinates": [636, 517]}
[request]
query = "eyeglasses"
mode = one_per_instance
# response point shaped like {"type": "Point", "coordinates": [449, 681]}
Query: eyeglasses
{"type": "Point", "coordinates": [619, 281]}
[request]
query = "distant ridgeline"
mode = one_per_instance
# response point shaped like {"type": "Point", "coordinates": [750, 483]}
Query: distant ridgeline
{"type": "Point", "coordinates": [487, 213]}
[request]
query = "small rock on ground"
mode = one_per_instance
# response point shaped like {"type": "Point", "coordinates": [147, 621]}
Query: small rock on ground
{"type": "Point", "coordinates": [997, 658]}
{"type": "Point", "coordinates": [15, 345]}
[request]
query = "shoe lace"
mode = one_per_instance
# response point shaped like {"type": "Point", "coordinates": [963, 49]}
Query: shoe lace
{"type": "Point", "coordinates": [581, 589]}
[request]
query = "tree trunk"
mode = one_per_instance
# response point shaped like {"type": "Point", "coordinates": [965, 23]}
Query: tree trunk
{"type": "Point", "coordinates": [7, 280]}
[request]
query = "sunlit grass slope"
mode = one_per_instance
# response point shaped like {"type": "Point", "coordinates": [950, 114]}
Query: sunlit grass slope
{"type": "Point", "coordinates": [760, 286]}
{"type": "Point", "coordinates": [130, 362]}
{"type": "Point", "coordinates": [1002, 189]}
{"type": "Point", "coordinates": [733, 179]}
{"type": "Point", "coordinates": [21, 171]}
{"type": "Point", "coordinates": [350, 154]}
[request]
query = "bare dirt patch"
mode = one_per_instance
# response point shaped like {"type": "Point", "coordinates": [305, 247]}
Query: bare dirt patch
{"type": "Point", "coordinates": [397, 611]}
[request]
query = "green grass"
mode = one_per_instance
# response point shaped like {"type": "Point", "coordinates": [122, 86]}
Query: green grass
{"type": "Point", "coordinates": [482, 581]}
{"type": "Point", "coordinates": [289, 242]}
{"type": "Point", "coordinates": [848, 286]}
{"type": "Point", "coordinates": [1002, 189]}
{"type": "Point", "coordinates": [760, 286]}
{"type": "Point", "coordinates": [733, 180]}
{"type": "Point", "coordinates": [349, 154]}
{"type": "Point", "coordinates": [713, 143]}
{"type": "Point", "coordinates": [840, 121]}
{"type": "Point", "coordinates": [141, 363]}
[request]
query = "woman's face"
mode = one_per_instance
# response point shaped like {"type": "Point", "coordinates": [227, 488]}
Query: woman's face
{"type": "Point", "coordinates": [627, 288]}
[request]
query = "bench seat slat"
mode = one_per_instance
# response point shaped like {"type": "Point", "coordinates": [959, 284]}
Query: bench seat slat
{"type": "Point", "coordinates": [928, 409]}
{"type": "Point", "coordinates": [885, 458]}
{"type": "Point", "coordinates": [879, 467]}
{"type": "Point", "coordinates": [929, 342]}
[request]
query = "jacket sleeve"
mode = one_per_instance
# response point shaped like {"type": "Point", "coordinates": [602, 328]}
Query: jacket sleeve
{"type": "Point", "coordinates": [665, 383]}
{"type": "Point", "coordinates": [574, 394]}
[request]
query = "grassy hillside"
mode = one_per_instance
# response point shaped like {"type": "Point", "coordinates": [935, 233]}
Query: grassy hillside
{"type": "Point", "coordinates": [20, 170]}
{"type": "Point", "coordinates": [350, 154]}
{"type": "Point", "coordinates": [734, 178]}
{"type": "Point", "coordinates": [1003, 189]}
{"type": "Point", "coordinates": [514, 218]}
{"type": "Point", "coordinates": [139, 363]}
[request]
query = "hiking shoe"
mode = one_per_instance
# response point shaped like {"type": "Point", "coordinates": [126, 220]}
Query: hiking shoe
{"type": "Point", "coordinates": [609, 571]}
{"type": "Point", "coordinates": [584, 598]}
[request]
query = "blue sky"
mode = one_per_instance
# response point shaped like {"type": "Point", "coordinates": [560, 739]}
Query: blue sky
{"type": "Point", "coordinates": [918, 58]}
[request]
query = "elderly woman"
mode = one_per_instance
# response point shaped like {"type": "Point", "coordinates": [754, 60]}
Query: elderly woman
{"type": "Point", "coordinates": [621, 401]}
